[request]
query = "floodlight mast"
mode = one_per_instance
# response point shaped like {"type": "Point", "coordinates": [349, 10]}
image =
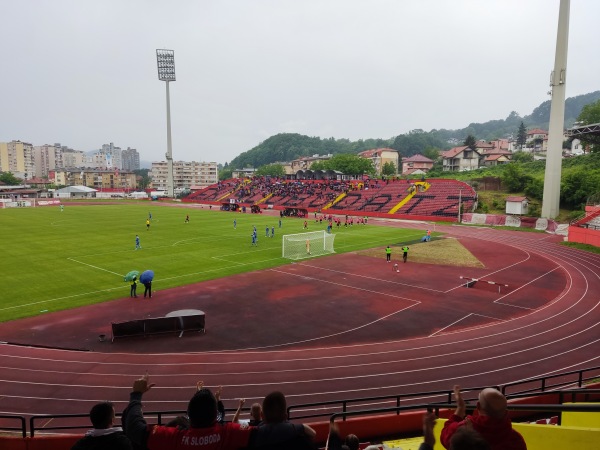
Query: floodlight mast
{"type": "Point", "coordinates": [558, 80]}
{"type": "Point", "coordinates": [166, 72]}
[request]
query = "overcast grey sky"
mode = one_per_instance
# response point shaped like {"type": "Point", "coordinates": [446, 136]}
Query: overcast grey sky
{"type": "Point", "coordinates": [83, 73]}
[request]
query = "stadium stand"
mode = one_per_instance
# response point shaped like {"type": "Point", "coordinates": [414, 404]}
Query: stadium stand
{"type": "Point", "coordinates": [436, 198]}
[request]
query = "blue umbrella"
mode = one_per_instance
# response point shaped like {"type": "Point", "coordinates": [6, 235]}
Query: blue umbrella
{"type": "Point", "coordinates": [147, 276]}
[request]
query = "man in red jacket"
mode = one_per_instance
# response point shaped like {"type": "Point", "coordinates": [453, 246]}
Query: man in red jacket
{"type": "Point", "coordinates": [490, 419]}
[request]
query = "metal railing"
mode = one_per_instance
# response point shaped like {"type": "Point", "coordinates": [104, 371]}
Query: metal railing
{"type": "Point", "coordinates": [566, 385]}
{"type": "Point", "coordinates": [554, 408]}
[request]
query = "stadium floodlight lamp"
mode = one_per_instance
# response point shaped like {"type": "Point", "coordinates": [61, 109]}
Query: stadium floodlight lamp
{"type": "Point", "coordinates": [166, 64]}
{"type": "Point", "coordinates": [166, 73]}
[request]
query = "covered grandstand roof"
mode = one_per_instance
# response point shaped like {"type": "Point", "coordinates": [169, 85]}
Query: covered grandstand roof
{"type": "Point", "coordinates": [76, 190]}
{"type": "Point", "coordinates": [582, 130]}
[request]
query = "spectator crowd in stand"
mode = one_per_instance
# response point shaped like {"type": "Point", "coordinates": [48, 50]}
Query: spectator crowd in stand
{"type": "Point", "coordinates": [204, 426]}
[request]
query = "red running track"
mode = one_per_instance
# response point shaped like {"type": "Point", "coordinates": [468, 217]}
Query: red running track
{"type": "Point", "coordinates": [344, 326]}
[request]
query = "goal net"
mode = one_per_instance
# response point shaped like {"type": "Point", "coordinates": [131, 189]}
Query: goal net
{"type": "Point", "coordinates": [307, 245]}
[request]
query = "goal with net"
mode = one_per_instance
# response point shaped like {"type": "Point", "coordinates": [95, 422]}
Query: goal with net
{"type": "Point", "coordinates": [307, 245]}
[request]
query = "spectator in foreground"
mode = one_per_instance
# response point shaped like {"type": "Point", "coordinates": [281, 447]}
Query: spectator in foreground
{"type": "Point", "coordinates": [490, 420]}
{"type": "Point", "coordinates": [465, 438]}
{"type": "Point", "coordinates": [104, 435]}
{"type": "Point", "coordinates": [204, 431]}
{"type": "Point", "coordinates": [351, 442]}
{"type": "Point", "coordinates": [276, 432]}
{"type": "Point", "coordinates": [255, 415]}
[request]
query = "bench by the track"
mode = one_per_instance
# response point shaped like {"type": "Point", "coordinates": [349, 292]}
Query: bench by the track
{"type": "Point", "coordinates": [158, 325]}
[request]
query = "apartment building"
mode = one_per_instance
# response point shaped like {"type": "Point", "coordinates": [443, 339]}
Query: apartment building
{"type": "Point", "coordinates": [74, 158]}
{"type": "Point", "coordinates": [185, 174]}
{"type": "Point", "coordinates": [46, 157]}
{"type": "Point", "coordinates": [130, 159]}
{"type": "Point", "coordinates": [17, 157]}
{"type": "Point", "coordinates": [94, 178]}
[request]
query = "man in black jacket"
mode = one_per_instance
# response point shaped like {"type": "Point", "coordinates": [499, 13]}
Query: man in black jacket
{"type": "Point", "coordinates": [104, 435]}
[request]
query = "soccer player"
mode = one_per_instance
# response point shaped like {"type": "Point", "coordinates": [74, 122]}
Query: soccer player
{"type": "Point", "coordinates": [234, 224]}
{"type": "Point", "coordinates": [147, 224]}
{"type": "Point", "coordinates": [187, 218]}
{"type": "Point", "coordinates": [267, 231]}
{"type": "Point", "coordinates": [137, 242]}
{"type": "Point", "coordinates": [305, 225]}
{"type": "Point", "coordinates": [279, 223]}
{"type": "Point", "coordinates": [273, 231]}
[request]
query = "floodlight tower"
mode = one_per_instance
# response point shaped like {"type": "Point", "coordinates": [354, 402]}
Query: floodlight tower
{"type": "Point", "coordinates": [558, 80]}
{"type": "Point", "coordinates": [166, 72]}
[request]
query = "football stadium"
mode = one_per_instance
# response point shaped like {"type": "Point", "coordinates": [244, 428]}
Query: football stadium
{"type": "Point", "coordinates": [295, 298]}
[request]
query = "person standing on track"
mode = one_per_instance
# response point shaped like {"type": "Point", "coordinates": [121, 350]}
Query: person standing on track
{"type": "Point", "coordinates": [405, 252]}
{"type": "Point", "coordinates": [132, 291]}
{"type": "Point", "coordinates": [388, 254]}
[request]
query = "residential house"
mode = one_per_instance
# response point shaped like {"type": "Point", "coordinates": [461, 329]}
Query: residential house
{"type": "Point", "coordinates": [381, 156]}
{"type": "Point", "coordinates": [495, 160]}
{"type": "Point", "coordinates": [305, 162]}
{"type": "Point", "coordinates": [460, 159]}
{"type": "Point", "coordinates": [537, 139]}
{"type": "Point", "coordinates": [243, 173]}
{"type": "Point", "coordinates": [416, 164]}
{"type": "Point", "coordinates": [494, 153]}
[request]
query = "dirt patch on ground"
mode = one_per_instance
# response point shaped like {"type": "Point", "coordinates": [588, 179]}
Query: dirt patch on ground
{"type": "Point", "coordinates": [445, 251]}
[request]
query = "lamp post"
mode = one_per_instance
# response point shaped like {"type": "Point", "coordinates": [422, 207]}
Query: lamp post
{"type": "Point", "coordinates": [459, 203]}
{"type": "Point", "coordinates": [166, 72]}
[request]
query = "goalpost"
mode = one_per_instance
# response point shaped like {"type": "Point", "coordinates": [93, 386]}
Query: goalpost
{"type": "Point", "coordinates": [307, 245]}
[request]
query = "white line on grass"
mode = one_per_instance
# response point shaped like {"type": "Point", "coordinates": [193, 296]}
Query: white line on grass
{"type": "Point", "coordinates": [41, 302]}
{"type": "Point", "coordinates": [95, 267]}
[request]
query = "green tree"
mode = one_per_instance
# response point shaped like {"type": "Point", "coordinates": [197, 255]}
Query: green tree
{"type": "Point", "coordinates": [590, 114]}
{"type": "Point", "coordinates": [142, 178]}
{"type": "Point", "coordinates": [318, 165]}
{"type": "Point", "coordinates": [522, 157]}
{"type": "Point", "coordinates": [274, 170]}
{"type": "Point", "coordinates": [432, 153]}
{"type": "Point", "coordinates": [389, 168]}
{"type": "Point", "coordinates": [577, 185]}
{"type": "Point", "coordinates": [521, 136]}
{"type": "Point", "coordinates": [471, 142]}
{"type": "Point", "coordinates": [417, 141]}
{"type": "Point", "coordinates": [225, 173]}
{"type": "Point", "coordinates": [349, 165]}
{"type": "Point", "coordinates": [513, 178]}
{"type": "Point", "coordinates": [534, 188]}
{"type": "Point", "coordinates": [9, 179]}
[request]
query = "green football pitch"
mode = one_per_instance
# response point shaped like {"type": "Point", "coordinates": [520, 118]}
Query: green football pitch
{"type": "Point", "coordinates": [55, 260]}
